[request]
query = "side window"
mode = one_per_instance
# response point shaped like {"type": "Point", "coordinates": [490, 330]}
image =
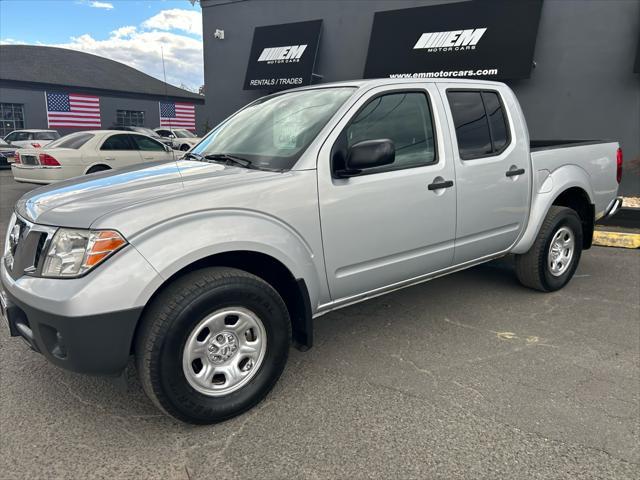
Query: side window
{"type": "Point", "coordinates": [147, 144]}
{"type": "Point", "coordinates": [480, 124]}
{"type": "Point", "coordinates": [117, 142]}
{"type": "Point", "coordinates": [21, 137]}
{"type": "Point", "coordinates": [497, 121]}
{"type": "Point", "coordinates": [164, 133]}
{"type": "Point", "coordinates": [11, 137]}
{"type": "Point", "coordinates": [472, 127]}
{"type": "Point", "coordinates": [405, 118]}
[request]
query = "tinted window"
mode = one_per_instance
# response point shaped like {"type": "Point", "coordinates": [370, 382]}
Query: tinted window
{"type": "Point", "coordinates": [405, 118]}
{"type": "Point", "coordinates": [472, 127]}
{"type": "Point", "coordinates": [163, 133]}
{"type": "Point", "coordinates": [117, 142]}
{"type": "Point", "coordinates": [497, 121]}
{"type": "Point", "coordinates": [47, 136]}
{"type": "Point", "coordinates": [74, 140]}
{"type": "Point", "coordinates": [147, 144]}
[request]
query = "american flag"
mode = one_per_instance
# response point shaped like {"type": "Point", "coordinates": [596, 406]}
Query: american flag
{"type": "Point", "coordinates": [178, 115]}
{"type": "Point", "coordinates": [73, 110]}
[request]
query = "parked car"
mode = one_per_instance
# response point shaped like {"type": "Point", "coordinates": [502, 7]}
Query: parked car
{"type": "Point", "coordinates": [182, 138]}
{"type": "Point", "coordinates": [31, 138]}
{"type": "Point", "coordinates": [145, 131]}
{"type": "Point", "coordinates": [207, 269]}
{"type": "Point", "coordinates": [7, 153]}
{"type": "Point", "coordinates": [87, 152]}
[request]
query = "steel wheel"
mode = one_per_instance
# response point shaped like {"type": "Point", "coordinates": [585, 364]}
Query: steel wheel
{"type": "Point", "coordinates": [561, 251]}
{"type": "Point", "coordinates": [224, 351]}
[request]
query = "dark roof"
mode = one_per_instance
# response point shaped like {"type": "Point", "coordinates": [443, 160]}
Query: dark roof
{"type": "Point", "coordinates": [69, 68]}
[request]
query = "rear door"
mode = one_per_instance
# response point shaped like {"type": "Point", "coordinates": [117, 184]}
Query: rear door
{"type": "Point", "coordinates": [493, 173]}
{"type": "Point", "coordinates": [150, 149]}
{"type": "Point", "coordinates": [385, 226]}
{"type": "Point", "coordinates": [118, 151]}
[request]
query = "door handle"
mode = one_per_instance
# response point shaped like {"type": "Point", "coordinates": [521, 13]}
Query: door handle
{"type": "Point", "coordinates": [514, 172]}
{"type": "Point", "coordinates": [440, 184]}
{"type": "Point", "coordinates": [109, 159]}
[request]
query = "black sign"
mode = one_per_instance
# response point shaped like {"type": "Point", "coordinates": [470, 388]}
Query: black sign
{"type": "Point", "coordinates": [283, 56]}
{"type": "Point", "coordinates": [478, 39]}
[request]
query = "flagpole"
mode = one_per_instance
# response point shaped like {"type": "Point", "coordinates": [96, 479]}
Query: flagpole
{"type": "Point", "coordinates": [164, 74]}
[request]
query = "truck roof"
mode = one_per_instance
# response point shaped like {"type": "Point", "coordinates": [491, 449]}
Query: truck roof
{"type": "Point", "coordinates": [376, 82]}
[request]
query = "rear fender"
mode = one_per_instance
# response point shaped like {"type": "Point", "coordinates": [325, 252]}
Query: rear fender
{"type": "Point", "coordinates": [548, 186]}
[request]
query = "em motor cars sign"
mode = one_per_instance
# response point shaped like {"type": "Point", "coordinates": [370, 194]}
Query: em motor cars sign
{"type": "Point", "coordinates": [283, 56]}
{"type": "Point", "coordinates": [491, 39]}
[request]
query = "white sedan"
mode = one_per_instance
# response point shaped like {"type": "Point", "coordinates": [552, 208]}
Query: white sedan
{"type": "Point", "coordinates": [87, 152]}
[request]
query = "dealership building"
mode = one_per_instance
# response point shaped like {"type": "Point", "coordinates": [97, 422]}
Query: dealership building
{"type": "Point", "coordinates": [574, 65]}
{"type": "Point", "coordinates": [46, 87]}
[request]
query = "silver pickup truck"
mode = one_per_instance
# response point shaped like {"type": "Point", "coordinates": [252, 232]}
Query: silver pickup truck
{"type": "Point", "coordinates": [208, 268]}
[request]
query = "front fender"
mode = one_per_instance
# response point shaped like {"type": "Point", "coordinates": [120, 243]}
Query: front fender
{"type": "Point", "coordinates": [180, 241]}
{"type": "Point", "coordinates": [549, 185]}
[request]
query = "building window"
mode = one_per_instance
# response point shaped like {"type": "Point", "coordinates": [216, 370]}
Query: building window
{"type": "Point", "coordinates": [130, 118]}
{"type": "Point", "coordinates": [11, 117]}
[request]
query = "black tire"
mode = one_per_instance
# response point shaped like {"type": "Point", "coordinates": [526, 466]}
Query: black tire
{"type": "Point", "coordinates": [184, 147]}
{"type": "Point", "coordinates": [173, 315]}
{"type": "Point", "coordinates": [532, 268]}
{"type": "Point", "coordinates": [98, 168]}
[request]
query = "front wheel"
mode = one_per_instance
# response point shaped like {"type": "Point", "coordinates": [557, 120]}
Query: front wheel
{"type": "Point", "coordinates": [554, 256]}
{"type": "Point", "coordinates": [212, 345]}
{"type": "Point", "coordinates": [185, 148]}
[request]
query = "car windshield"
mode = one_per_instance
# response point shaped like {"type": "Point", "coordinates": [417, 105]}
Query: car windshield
{"type": "Point", "coordinates": [146, 131]}
{"type": "Point", "coordinates": [73, 140]}
{"type": "Point", "coordinates": [274, 132]}
{"type": "Point", "coordinates": [181, 133]}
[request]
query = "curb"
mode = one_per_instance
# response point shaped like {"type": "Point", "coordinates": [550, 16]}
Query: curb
{"type": "Point", "coordinates": [616, 239]}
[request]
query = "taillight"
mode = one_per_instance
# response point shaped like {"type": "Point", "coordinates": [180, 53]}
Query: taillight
{"type": "Point", "coordinates": [48, 161]}
{"type": "Point", "coordinates": [16, 157]}
{"type": "Point", "coordinates": [619, 165]}
{"type": "Point", "coordinates": [35, 145]}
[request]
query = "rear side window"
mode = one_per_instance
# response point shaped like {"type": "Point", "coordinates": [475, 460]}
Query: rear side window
{"type": "Point", "coordinates": [75, 141]}
{"type": "Point", "coordinates": [118, 142]}
{"type": "Point", "coordinates": [402, 117]}
{"type": "Point", "coordinates": [147, 144]}
{"type": "Point", "coordinates": [480, 123]}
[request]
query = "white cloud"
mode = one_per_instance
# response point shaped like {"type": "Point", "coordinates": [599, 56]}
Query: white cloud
{"type": "Point", "coordinates": [140, 47]}
{"type": "Point", "coordinates": [103, 5]}
{"type": "Point", "coordinates": [189, 21]}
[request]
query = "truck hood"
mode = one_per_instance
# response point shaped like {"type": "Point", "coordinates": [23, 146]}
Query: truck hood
{"type": "Point", "coordinates": [78, 202]}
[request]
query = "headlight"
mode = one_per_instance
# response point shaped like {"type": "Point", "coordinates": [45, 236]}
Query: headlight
{"type": "Point", "coordinates": [74, 252]}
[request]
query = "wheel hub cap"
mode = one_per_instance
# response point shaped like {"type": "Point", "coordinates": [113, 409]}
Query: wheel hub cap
{"type": "Point", "coordinates": [561, 251]}
{"type": "Point", "coordinates": [224, 351]}
{"type": "Point", "coordinates": [222, 347]}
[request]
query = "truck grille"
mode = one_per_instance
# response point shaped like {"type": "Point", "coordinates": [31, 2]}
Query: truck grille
{"type": "Point", "coordinates": [26, 242]}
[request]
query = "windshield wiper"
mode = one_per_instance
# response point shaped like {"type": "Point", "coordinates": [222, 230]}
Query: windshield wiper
{"type": "Point", "coordinates": [229, 159]}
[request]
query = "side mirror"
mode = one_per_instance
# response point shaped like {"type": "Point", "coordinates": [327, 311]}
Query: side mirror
{"type": "Point", "coordinates": [168, 149]}
{"type": "Point", "coordinates": [368, 154]}
{"type": "Point", "coordinates": [171, 135]}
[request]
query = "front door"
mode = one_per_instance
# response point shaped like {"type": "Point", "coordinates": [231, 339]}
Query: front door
{"type": "Point", "coordinates": [386, 225]}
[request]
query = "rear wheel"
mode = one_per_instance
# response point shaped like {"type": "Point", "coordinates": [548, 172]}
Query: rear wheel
{"type": "Point", "coordinates": [184, 147]}
{"type": "Point", "coordinates": [212, 345]}
{"type": "Point", "coordinates": [554, 256]}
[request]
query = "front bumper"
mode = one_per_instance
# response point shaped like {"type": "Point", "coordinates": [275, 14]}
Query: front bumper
{"type": "Point", "coordinates": [95, 344]}
{"type": "Point", "coordinates": [84, 324]}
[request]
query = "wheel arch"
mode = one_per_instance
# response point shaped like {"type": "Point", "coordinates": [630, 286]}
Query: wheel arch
{"type": "Point", "coordinates": [568, 186]}
{"type": "Point", "coordinates": [293, 290]}
{"type": "Point", "coordinates": [106, 167]}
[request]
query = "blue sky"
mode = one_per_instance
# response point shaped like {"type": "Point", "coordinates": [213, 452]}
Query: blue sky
{"type": "Point", "coordinates": [129, 31]}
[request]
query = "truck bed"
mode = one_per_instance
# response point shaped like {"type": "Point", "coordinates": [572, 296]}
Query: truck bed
{"type": "Point", "coordinates": [537, 145]}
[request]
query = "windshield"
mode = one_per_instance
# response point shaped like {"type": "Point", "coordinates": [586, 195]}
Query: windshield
{"type": "Point", "coordinates": [146, 131]}
{"type": "Point", "coordinates": [73, 140]}
{"type": "Point", "coordinates": [183, 134]}
{"type": "Point", "coordinates": [275, 131]}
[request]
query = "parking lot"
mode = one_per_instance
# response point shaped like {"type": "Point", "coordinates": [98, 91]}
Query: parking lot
{"type": "Point", "coordinates": [467, 376]}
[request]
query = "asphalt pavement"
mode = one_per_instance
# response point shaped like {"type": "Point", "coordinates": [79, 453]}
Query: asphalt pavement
{"type": "Point", "coordinates": [467, 376]}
